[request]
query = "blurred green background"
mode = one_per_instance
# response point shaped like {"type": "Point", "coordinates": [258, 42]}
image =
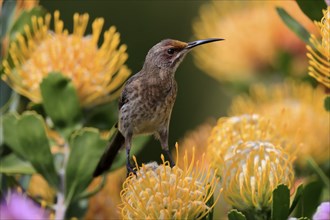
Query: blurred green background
{"type": "Point", "coordinates": [141, 25]}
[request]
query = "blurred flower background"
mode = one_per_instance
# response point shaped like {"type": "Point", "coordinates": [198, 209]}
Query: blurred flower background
{"type": "Point", "coordinates": [256, 105]}
{"type": "Point", "coordinates": [257, 41]}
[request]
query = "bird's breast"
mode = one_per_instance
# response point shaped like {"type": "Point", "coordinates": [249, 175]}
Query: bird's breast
{"type": "Point", "coordinates": [149, 109]}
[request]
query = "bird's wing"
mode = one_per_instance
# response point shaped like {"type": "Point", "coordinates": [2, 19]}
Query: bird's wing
{"type": "Point", "coordinates": [123, 98]}
{"type": "Point", "coordinates": [128, 88]}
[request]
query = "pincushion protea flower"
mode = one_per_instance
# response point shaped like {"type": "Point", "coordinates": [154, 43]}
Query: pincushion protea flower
{"type": "Point", "coordinates": [253, 172]}
{"type": "Point", "coordinates": [162, 192]}
{"type": "Point", "coordinates": [319, 55]}
{"type": "Point", "coordinates": [229, 133]}
{"type": "Point", "coordinates": [97, 73]}
{"type": "Point", "coordinates": [297, 112]}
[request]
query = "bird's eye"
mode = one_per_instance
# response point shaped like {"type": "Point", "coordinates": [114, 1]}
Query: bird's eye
{"type": "Point", "coordinates": [170, 51]}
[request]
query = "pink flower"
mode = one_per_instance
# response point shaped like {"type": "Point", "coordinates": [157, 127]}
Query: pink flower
{"type": "Point", "coordinates": [18, 206]}
{"type": "Point", "coordinates": [322, 212]}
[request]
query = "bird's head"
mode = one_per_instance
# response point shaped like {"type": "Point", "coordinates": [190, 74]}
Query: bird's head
{"type": "Point", "coordinates": [168, 54]}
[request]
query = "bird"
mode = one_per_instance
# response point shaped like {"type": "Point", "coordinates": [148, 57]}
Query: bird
{"type": "Point", "coordinates": [147, 99]}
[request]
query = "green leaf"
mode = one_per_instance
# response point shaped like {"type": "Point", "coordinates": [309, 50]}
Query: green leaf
{"type": "Point", "coordinates": [77, 210]}
{"type": "Point", "coordinates": [101, 116]}
{"type": "Point", "coordinates": [26, 136]}
{"type": "Point", "coordinates": [234, 214]}
{"type": "Point", "coordinates": [10, 97]}
{"type": "Point", "coordinates": [86, 149]}
{"type": "Point", "coordinates": [12, 164]}
{"type": "Point", "coordinates": [9, 123]}
{"type": "Point", "coordinates": [60, 101]}
{"type": "Point", "coordinates": [98, 188]}
{"type": "Point", "coordinates": [327, 103]}
{"type": "Point", "coordinates": [209, 203]}
{"type": "Point", "coordinates": [6, 183]}
{"type": "Point", "coordinates": [296, 27]}
{"type": "Point", "coordinates": [281, 202]}
{"type": "Point", "coordinates": [25, 19]}
{"type": "Point", "coordinates": [310, 199]}
{"type": "Point", "coordinates": [313, 9]}
{"type": "Point", "coordinates": [299, 192]}
{"type": "Point", "coordinates": [137, 145]}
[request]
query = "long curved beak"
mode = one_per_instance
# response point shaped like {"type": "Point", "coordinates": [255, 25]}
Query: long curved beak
{"type": "Point", "coordinates": [200, 42]}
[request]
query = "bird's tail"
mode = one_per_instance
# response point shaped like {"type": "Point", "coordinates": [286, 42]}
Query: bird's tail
{"type": "Point", "coordinates": [110, 153]}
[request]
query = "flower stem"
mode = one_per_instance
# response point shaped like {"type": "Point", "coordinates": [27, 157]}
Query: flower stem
{"type": "Point", "coordinates": [61, 206]}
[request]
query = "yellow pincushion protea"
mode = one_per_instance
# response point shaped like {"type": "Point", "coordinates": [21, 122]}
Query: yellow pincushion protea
{"type": "Point", "coordinates": [253, 172]}
{"type": "Point", "coordinates": [319, 55]}
{"type": "Point", "coordinates": [162, 192]}
{"type": "Point", "coordinates": [229, 133]}
{"type": "Point", "coordinates": [97, 73]}
{"type": "Point", "coordinates": [297, 111]}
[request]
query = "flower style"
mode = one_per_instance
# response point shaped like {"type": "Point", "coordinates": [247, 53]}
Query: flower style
{"type": "Point", "coordinates": [97, 73]}
{"type": "Point", "coordinates": [162, 192]}
{"type": "Point", "coordinates": [229, 133]}
{"type": "Point", "coordinates": [253, 172]}
{"type": "Point", "coordinates": [19, 206]}
{"type": "Point", "coordinates": [319, 55]}
{"type": "Point", "coordinates": [297, 111]}
{"type": "Point", "coordinates": [254, 38]}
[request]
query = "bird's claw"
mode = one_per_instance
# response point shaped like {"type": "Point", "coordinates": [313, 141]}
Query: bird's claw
{"type": "Point", "coordinates": [130, 170]}
{"type": "Point", "coordinates": [172, 164]}
{"type": "Point", "coordinates": [168, 153]}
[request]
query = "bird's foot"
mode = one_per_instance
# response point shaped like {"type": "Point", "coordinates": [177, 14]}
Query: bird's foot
{"type": "Point", "coordinates": [130, 170]}
{"type": "Point", "coordinates": [169, 156]}
{"type": "Point", "coordinates": [172, 164]}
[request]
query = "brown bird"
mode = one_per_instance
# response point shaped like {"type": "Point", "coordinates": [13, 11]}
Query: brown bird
{"type": "Point", "coordinates": [147, 100]}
